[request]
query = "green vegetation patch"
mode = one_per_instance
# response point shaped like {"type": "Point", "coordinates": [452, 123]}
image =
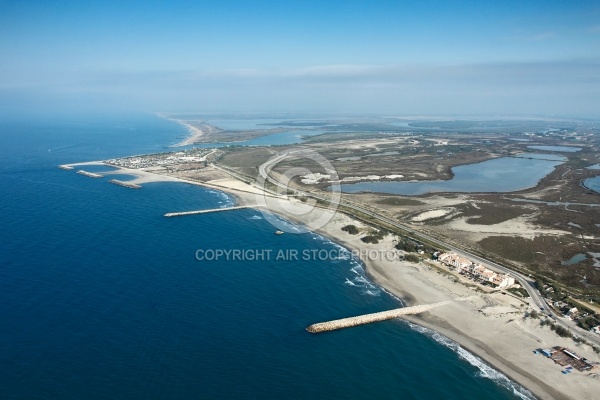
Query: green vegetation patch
{"type": "Point", "coordinates": [542, 256]}
{"type": "Point", "coordinates": [407, 245]}
{"type": "Point", "coordinates": [374, 237]}
{"type": "Point", "coordinates": [413, 258]}
{"type": "Point", "coordinates": [490, 213]}
{"type": "Point", "coordinates": [589, 322]}
{"type": "Point", "coordinates": [521, 249]}
{"type": "Point", "coordinates": [351, 229]}
{"type": "Point", "coordinates": [518, 291]}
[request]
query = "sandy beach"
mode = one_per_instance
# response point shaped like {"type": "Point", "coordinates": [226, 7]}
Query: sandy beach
{"type": "Point", "coordinates": [195, 134]}
{"type": "Point", "coordinates": [491, 325]}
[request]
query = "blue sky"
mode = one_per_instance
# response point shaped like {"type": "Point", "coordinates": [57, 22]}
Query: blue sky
{"type": "Point", "coordinates": [387, 57]}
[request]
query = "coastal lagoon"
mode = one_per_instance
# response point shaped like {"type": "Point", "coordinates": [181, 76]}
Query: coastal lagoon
{"type": "Point", "coordinates": [275, 139]}
{"type": "Point", "coordinates": [102, 297]}
{"type": "Point", "coordinates": [294, 135]}
{"type": "Point", "coordinates": [577, 258]}
{"type": "Point", "coordinates": [235, 124]}
{"type": "Point", "coordinates": [563, 149]}
{"type": "Point", "coordinates": [540, 156]}
{"type": "Point", "coordinates": [506, 174]}
{"type": "Point", "coordinates": [593, 184]}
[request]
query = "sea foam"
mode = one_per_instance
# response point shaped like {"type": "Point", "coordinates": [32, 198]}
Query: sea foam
{"type": "Point", "coordinates": [485, 371]}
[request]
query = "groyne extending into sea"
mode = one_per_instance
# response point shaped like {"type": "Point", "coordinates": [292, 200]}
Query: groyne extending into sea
{"type": "Point", "coordinates": [125, 184]}
{"type": "Point", "coordinates": [89, 174]}
{"type": "Point", "coordinates": [210, 210]}
{"type": "Point", "coordinates": [369, 318]}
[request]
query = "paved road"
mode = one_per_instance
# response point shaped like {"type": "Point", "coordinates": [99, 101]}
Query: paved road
{"type": "Point", "coordinates": [526, 282]}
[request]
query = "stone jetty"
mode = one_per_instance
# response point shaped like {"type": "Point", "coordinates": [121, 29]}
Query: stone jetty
{"type": "Point", "coordinates": [206, 211]}
{"type": "Point", "coordinates": [368, 318]}
{"type": "Point", "coordinates": [89, 174]}
{"type": "Point", "coordinates": [125, 184]}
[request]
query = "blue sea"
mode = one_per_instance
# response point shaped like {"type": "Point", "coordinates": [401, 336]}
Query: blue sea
{"type": "Point", "coordinates": [101, 297]}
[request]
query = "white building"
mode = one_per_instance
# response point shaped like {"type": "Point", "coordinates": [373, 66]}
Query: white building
{"type": "Point", "coordinates": [465, 266]}
{"type": "Point", "coordinates": [455, 261]}
{"type": "Point", "coordinates": [502, 281]}
{"type": "Point", "coordinates": [572, 313]}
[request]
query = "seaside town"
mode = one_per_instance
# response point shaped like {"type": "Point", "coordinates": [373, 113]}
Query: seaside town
{"type": "Point", "coordinates": [486, 276]}
{"type": "Point", "coordinates": [164, 160]}
{"type": "Point", "coordinates": [475, 271]}
{"type": "Point", "coordinates": [564, 357]}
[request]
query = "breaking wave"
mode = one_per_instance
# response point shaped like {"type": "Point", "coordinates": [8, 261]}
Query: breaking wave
{"type": "Point", "coordinates": [374, 293]}
{"type": "Point", "coordinates": [485, 371]}
{"type": "Point", "coordinates": [225, 200]}
{"type": "Point", "coordinates": [360, 279]}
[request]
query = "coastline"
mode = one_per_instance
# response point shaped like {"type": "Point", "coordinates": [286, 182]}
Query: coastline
{"type": "Point", "coordinates": [486, 327]}
{"type": "Point", "coordinates": [462, 322]}
{"type": "Point", "coordinates": [502, 339]}
{"type": "Point", "coordinates": [194, 132]}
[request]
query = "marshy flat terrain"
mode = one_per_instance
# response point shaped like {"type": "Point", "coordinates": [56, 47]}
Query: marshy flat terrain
{"type": "Point", "coordinates": [535, 228]}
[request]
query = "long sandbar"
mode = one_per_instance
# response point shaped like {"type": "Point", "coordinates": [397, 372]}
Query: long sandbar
{"type": "Point", "coordinates": [195, 134]}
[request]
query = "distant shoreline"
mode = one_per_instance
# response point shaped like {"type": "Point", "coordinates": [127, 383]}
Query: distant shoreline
{"type": "Point", "coordinates": [195, 133]}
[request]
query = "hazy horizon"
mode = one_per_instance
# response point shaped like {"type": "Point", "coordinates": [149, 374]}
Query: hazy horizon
{"type": "Point", "coordinates": [390, 58]}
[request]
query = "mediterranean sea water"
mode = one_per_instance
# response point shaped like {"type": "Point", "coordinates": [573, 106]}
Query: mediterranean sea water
{"type": "Point", "coordinates": [101, 297]}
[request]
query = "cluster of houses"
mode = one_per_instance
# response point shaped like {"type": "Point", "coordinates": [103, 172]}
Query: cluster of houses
{"type": "Point", "coordinates": [568, 311]}
{"type": "Point", "coordinates": [476, 271]}
{"type": "Point", "coordinates": [163, 159]}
